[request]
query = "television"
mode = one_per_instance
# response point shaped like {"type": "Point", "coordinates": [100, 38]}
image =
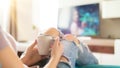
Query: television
{"type": "Point", "coordinates": [80, 20]}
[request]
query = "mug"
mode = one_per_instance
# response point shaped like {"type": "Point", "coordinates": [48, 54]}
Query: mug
{"type": "Point", "coordinates": [44, 44]}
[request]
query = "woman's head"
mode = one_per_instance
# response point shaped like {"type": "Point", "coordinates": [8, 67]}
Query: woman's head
{"type": "Point", "coordinates": [75, 15]}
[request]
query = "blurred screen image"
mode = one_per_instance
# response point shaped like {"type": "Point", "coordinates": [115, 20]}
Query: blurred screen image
{"type": "Point", "coordinates": [79, 20]}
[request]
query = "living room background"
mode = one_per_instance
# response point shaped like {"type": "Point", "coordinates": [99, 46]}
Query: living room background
{"type": "Point", "coordinates": [44, 13]}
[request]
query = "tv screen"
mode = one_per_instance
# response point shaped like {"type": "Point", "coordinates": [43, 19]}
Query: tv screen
{"type": "Point", "coordinates": [79, 20]}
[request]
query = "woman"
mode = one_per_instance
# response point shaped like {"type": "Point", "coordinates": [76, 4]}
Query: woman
{"type": "Point", "coordinates": [75, 27]}
{"type": "Point", "coordinates": [9, 59]}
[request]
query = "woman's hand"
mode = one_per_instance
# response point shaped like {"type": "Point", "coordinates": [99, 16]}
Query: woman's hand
{"type": "Point", "coordinates": [57, 49]}
{"type": "Point", "coordinates": [31, 55]}
{"type": "Point", "coordinates": [56, 53]}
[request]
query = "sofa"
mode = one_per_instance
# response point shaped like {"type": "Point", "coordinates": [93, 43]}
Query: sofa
{"type": "Point", "coordinates": [99, 66]}
{"type": "Point", "coordinates": [43, 62]}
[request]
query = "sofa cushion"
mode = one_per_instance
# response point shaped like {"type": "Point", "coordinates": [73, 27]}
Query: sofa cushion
{"type": "Point", "coordinates": [99, 66]}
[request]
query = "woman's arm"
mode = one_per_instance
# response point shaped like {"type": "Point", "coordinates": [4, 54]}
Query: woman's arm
{"type": "Point", "coordinates": [56, 53]}
{"type": "Point", "coordinates": [12, 41]}
{"type": "Point", "coordinates": [9, 59]}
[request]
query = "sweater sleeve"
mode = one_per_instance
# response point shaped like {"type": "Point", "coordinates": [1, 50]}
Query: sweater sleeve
{"type": "Point", "coordinates": [12, 41]}
{"type": "Point", "coordinates": [3, 40]}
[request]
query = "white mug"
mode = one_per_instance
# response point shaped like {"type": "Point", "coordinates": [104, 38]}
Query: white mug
{"type": "Point", "coordinates": [44, 43]}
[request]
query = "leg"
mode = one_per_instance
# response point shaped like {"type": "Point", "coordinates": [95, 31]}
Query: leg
{"type": "Point", "coordinates": [64, 63]}
{"type": "Point", "coordinates": [70, 52]}
{"type": "Point", "coordinates": [70, 37]}
{"type": "Point", "coordinates": [85, 56]}
{"type": "Point", "coordinates": [52, 32]}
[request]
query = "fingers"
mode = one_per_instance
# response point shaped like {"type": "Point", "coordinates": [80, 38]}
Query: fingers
{"type": "Point", "coordinates": [61, 46]}
{"type": "Point", "coordinates": [56, 43]}
{"type": "Point", "coordinates": [57, 49]}
{"type": "Point", "coordinates": [33, 44]}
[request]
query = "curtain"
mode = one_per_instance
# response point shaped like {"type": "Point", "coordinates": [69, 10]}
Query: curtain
{"type": "Point", "coordinates": [4, 14]}
{"type": "Point", "coordinates": [13, 19]}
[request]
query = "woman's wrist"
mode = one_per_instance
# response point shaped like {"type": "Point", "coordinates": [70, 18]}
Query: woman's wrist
{"type": "Point", "coordinates": [26, 61]}
{"type": "Point", "coordinates": [55, 60]}
{"type": "Point", "coordinates": [56, 57]}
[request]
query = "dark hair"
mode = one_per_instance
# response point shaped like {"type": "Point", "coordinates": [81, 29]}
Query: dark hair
{"type": "Point", "coordinates": [78, 22]}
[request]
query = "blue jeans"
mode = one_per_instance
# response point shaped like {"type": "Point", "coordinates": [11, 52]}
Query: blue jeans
{"type": "Point", "coordinates": [76, 55]}
{"type": "Point", "coordinates": [63, 65]}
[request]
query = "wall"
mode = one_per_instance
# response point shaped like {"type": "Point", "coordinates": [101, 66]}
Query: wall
{"type": "Point", "coordinates": [67, 3]}
{"type": "Point", "coordinates": [42, 13]}
{"type": "Point", "coordinates": [108, 27]}
{"type": "Point", "coordinates": [4, 13]}
{"type": "Point", "coordinates": [113, 6]}
{"type": "Point", "coordinates": [1, 15]}
{"type": "Point", "coordinates": [24, 20]}
{"type": "Point", "coordinates": [45, 13]}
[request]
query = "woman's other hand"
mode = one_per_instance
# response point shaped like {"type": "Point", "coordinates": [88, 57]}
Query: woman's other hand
{"type": "Point", "coordinates": [57, 49]}
{"type": "Point", "coordinates": [31, 55]}
{"type": "Point", "coordinates": [56, 53]}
